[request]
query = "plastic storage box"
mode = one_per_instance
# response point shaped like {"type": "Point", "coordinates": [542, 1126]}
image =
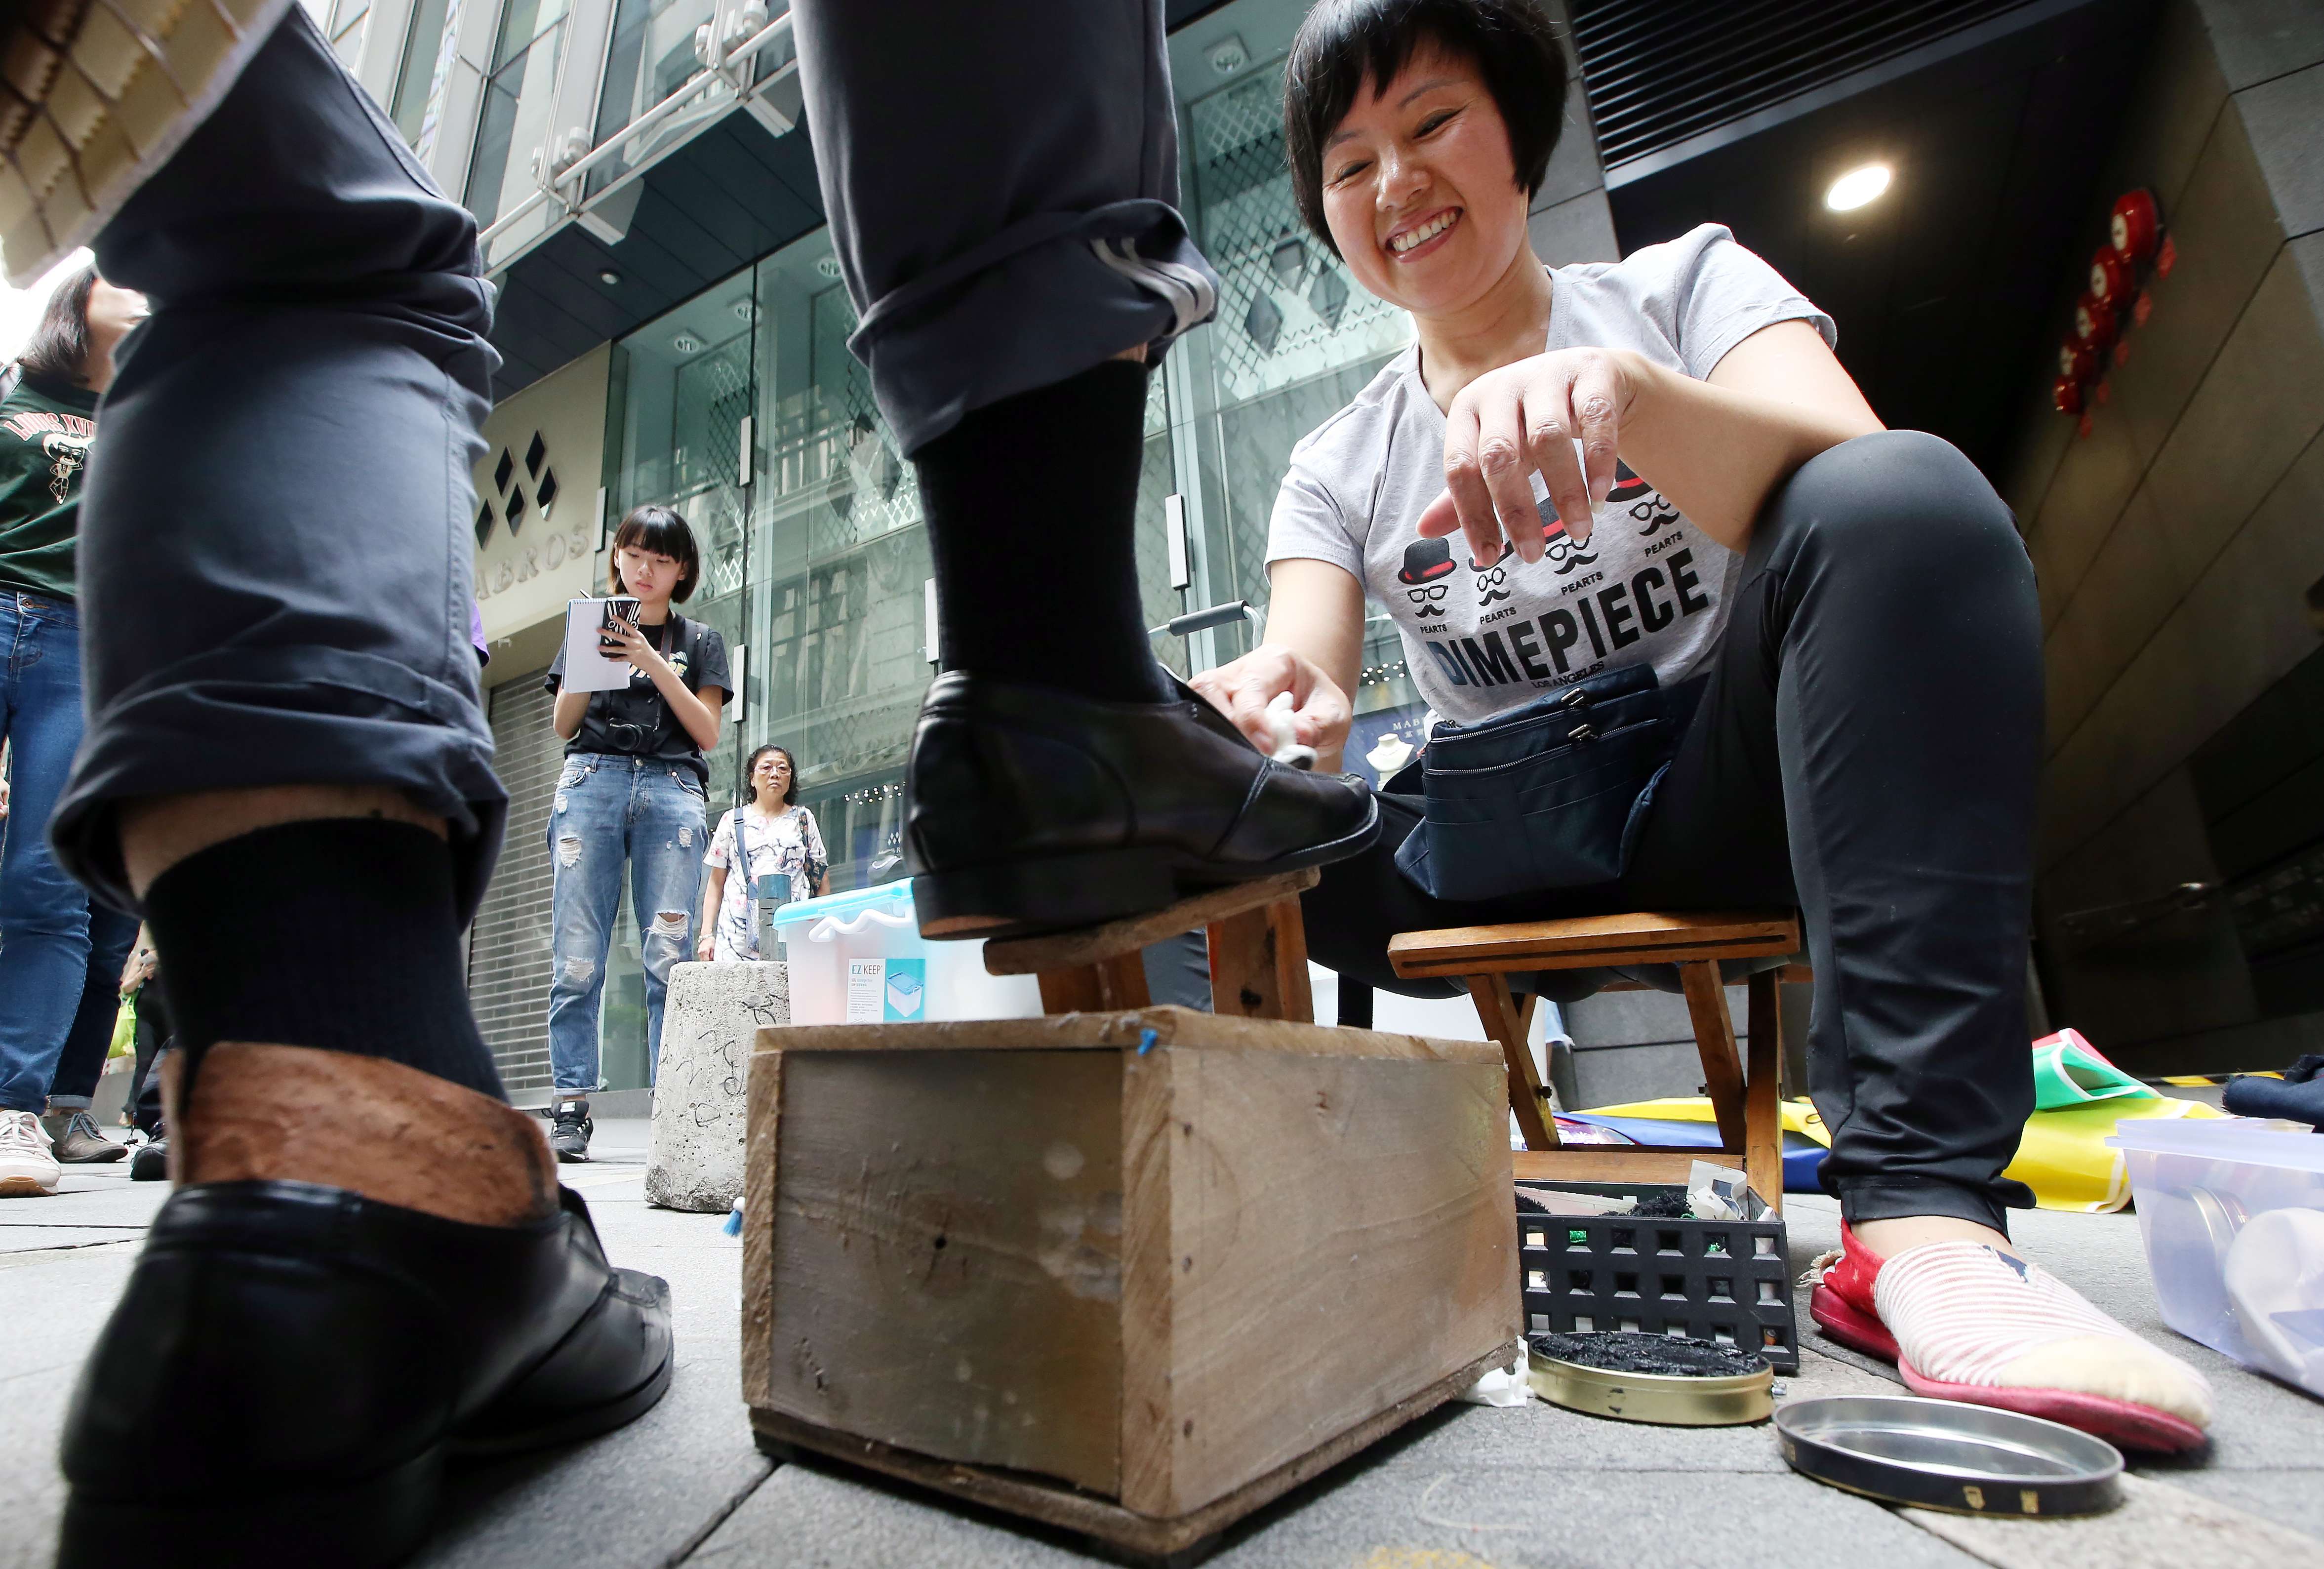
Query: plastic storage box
{"type": "Point", "coordinates": [858, 958]}
{"type": "Point", "coordinates": [1725, 1281]}
{"type": "Point", "coordinates": [2232, 1214]}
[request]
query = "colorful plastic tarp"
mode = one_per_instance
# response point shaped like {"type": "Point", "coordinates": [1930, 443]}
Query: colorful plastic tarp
{"type": "Point", "coordinates": [2064, 1156]}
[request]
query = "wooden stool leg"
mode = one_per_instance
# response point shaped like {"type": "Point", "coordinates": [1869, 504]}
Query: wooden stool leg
{"type": "Point", "coordinates": [1110, 985]}
{"type": "Point", "coordinates": [1714, 1040]}
{"type": "Point", "coordinates": [1498, 1014]}
{"type": "Point", "coordinates": [1259, 965]}
{"type": "Point", "coordinates": [1763, 1110]}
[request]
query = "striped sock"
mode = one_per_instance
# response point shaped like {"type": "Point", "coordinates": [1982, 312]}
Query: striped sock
{"type": "Point", "coordinates": [1968, 1314]}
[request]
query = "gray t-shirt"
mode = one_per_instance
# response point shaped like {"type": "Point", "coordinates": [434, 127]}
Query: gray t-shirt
{"type": "Point", "coordinates": [1648, 586]}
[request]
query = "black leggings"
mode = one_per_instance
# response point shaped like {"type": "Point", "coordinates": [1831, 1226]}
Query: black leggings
{"type": "Point", "coordinates": [1864, 747]}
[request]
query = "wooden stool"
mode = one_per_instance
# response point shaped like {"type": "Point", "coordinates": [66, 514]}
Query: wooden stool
{"type": "Point", "coordinates": [1749, 1111]}
{"type": "Point", "coordinates": [1258, 954]}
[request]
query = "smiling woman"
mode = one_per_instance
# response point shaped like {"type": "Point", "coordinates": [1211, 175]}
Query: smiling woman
{"type": "Point", "coordinates": [1634, 521]}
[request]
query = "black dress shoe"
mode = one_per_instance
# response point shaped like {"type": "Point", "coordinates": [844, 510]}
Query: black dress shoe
{"type": "Point", "coordinates": [1029, 809]}
{"type": "Point", "coordinates": [293, 1366]}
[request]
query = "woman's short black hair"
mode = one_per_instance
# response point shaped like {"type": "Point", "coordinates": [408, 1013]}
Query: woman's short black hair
{"type": "Point", "coordinates": [59, 349]}
{"type": "Point", "coordinates": [1344, 44]}
{"type": "Point", "coordinates": [751, 766]}
{"type": "Point", "coordinates": [660, 530]}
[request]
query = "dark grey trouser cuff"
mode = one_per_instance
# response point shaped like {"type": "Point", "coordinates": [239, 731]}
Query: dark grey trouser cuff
{"type": "Point", "coordinates": [1003, 184]}
{"type": "Point", "coordinates": [275, 566]}
{"type": "Point", "coordinates": [1883, 1199]}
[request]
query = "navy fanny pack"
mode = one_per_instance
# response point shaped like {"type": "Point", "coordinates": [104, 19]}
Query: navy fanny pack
{"type": "Point", "coordinates": [1552, 795]}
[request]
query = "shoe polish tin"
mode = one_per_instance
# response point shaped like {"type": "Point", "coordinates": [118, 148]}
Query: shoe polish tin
{"type": "Point", "coordinates": [1944, 1455]}
{"type": "Point", "coordinates": [1650, 1377]}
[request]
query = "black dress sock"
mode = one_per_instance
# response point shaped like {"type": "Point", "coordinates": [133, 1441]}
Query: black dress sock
{"type": "Point", "coordinates": [337, 933]}
{"type": "Point", "coordinates": [1030, 504]}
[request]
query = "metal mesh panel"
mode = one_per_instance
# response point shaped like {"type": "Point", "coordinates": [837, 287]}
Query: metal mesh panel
{"type": "Point", "coordinates": [1657, 73]}
{"type": "Point", "coordinates": [509, 947]}
{"type": "Point", "coordinates": [1287, 309]}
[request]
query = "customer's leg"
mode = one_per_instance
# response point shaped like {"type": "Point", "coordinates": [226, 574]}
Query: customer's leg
{"type": "Point", "coordinates": [43, 913]}
{"type": "Point", "coordinates": [277, 731]}
{"type": "Point", "coordinates": [1000, 181]}
{"type": "Point", "coordinates": [288, 763]}
{"type": "Point", "coordinates": [665, 886]}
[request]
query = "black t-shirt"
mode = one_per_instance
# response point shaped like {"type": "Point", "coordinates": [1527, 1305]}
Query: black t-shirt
{"type": "Point", "coordinates": [637, 720]}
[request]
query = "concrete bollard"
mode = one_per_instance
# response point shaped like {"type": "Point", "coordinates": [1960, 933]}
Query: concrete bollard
{"type": "Point", "coordinates": [694, 1159]}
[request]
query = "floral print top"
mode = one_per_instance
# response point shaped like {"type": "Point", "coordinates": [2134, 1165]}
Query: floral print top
{"type": "Point", "coordinates": [787, 846]}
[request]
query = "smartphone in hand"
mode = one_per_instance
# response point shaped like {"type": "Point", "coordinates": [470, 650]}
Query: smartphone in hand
{"type": "Point", "coordinates": [621, 607]}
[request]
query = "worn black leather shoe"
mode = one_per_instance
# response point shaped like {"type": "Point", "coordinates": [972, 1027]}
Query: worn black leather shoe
{"type": "Point", "coordinates": [293, 1366]}
{"type": "Point", "coordinates": [1029, 809]}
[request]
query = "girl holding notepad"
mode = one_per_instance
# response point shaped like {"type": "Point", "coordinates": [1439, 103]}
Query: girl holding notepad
{"type": "Point", "coordinates": [633, 794]}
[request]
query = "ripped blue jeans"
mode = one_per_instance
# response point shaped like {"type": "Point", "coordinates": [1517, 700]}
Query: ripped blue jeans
{"type": "Point", "coordinates": [611, 810]}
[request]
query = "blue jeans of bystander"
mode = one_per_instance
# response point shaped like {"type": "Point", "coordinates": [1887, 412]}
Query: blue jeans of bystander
{"type": "Point", "coordinates": [43, 913]}
{"type": "Point", "coordinates": [612, 811]}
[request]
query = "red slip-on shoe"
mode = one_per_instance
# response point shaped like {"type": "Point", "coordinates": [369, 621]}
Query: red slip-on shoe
{"type": "Point", "coordinates": [1964, 1321]}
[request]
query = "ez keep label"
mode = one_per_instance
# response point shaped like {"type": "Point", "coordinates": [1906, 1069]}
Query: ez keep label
{"type": "Point", "coordinates": [886, 991]}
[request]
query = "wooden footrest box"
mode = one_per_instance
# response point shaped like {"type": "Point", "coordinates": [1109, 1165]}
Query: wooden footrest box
{"type": "Point", "coordinates": [1131, 1274]}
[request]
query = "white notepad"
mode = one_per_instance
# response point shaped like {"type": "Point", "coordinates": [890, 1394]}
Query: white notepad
{"type": "Point", "coordinates": [586, 669]}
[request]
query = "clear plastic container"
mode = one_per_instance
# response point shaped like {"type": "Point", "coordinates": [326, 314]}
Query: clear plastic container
{"type": "Point", "coordinates": [858, 958]}
{"type": "Point", "coordinates": [2232, 1211]}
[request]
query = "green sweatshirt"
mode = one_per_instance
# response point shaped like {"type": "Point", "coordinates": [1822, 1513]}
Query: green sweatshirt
{"type": "Point", "coordinates": [45, 430]}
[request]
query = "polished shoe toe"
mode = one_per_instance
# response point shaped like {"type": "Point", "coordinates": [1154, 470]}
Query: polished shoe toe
{"type": "Point", "coordinates": [1031, 810]}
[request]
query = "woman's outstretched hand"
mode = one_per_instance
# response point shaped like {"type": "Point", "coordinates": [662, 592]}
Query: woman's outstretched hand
{"type": "Point", "coordinates": [1242, 690]}
{"type": "Point", "coordinates": [1522, 419]}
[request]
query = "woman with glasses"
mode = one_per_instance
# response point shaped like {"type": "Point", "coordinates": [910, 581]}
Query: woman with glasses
{"type": "Point", "coordinates": [769, 842]}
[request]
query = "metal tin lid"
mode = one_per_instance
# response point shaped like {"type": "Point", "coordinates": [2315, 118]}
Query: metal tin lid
{"type": "Point", "coordinates": [1944, 1455]}
{"type": "Point", "coordinates": [1693, 1383]}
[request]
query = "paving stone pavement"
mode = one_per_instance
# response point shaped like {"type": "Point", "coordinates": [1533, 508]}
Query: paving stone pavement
{"type": "Point", "coordinates": [1466, 1488]}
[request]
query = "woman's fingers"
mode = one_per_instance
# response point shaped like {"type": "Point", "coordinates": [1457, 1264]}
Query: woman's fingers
{"type": "Point", "coordinates": [1503, 456]}
{"type": "Point", "coordinates": [1597, 400]}
{"type": "Point", "coordinates": [1465, 478]}
{"type": "Point", "coordinates": [1549, 435]}
{"type": "Point", "coordinates": [1242, 689]}
{"type": "Point", "coordinates": [1324, 718]}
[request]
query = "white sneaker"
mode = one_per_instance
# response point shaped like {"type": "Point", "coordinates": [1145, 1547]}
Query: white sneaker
{"type": "Point", "coordinates": [27, 1170]}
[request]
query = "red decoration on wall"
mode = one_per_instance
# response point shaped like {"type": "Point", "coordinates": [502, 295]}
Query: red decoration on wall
{"type": "Point", "coordinates": [2135, 223]}
{"type": "Point", "coordinates": [2082, 430]}
{"type": "Point", "coordinates": [2166, 258]}
{"type": "Point", "coordinates": [2110, 278]}
{"type": "Point", "coordinates": [2066, 393]}
{"type": "Point", "coordinates": [2093, 322]}
{"type": "Point", "coordinates": [2141, 308]}
{"type": "Point", "coordinates": [2076, 363]}
{"type": "Point", "coordinates": [2106, 391]}
{"type": "Point", "coordinates": [2121, 353]}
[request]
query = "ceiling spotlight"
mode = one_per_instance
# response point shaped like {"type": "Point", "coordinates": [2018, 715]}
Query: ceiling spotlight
{"type": "Point", "coordinates": [828, 266]}
{"type": "Point", "coordinates": [686, 343]}
{"type": "Point", "coordinates": [1858, 187]}
{"type": "Point", "coordinates": [609, 278]}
